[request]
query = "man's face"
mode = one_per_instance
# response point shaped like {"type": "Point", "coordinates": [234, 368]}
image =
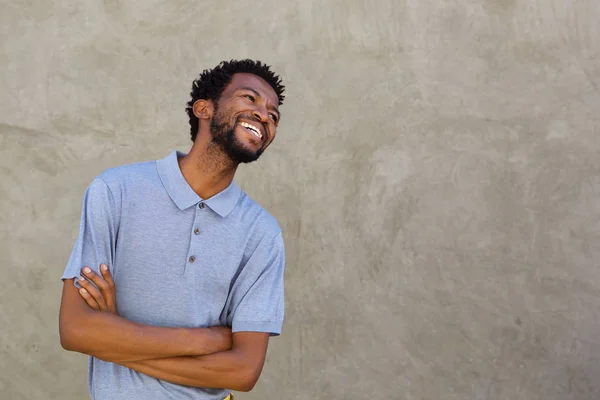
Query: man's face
{"type": "Point", "coordinates": [245, 119]}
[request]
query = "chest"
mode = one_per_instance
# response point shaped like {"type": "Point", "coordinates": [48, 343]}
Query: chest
{"type": "Point", "coordinates": [175, 270]}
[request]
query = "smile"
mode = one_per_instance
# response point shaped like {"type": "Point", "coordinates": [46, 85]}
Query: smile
{"type": "Point", "coordinates": [252, 129]}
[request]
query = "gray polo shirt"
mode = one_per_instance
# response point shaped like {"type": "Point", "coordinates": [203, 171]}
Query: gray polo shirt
{"type": "Point", "coordinates": [177, 261]}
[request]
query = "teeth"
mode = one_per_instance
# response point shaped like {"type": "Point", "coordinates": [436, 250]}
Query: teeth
{"type": "Point", "coordinates": [254, 129]}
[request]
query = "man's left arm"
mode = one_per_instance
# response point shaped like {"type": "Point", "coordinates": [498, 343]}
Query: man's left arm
{"type": "Point", "coordinates": [236, 369]}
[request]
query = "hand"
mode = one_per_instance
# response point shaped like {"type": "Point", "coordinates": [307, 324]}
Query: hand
{"type": "Point", "coordinates": [223, 338]}
{"type": "Point", "coordinates": [102, 296]}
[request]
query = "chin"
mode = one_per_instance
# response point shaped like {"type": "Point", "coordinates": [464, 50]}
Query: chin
{"type": "Point", "coordinates": [241, 154]}
{"type": "Point", "coordinates": [247, 157]}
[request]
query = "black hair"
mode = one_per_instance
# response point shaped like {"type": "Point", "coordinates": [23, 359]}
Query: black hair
{"type": "Point", "coordinates": [211, 84]}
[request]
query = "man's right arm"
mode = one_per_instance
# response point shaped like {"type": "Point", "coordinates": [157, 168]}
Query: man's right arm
{"type": "Point", "coordinates": [108, 336]}
{"type": "Point", "coordinates": [111, 338]}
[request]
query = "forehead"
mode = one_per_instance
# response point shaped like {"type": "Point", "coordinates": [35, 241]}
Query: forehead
{"type": "Point", "coordinates": [243, 80]}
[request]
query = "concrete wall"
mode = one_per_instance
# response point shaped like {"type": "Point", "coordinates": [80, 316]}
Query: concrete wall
{"type": "Point", "coordinates": [436, 173]}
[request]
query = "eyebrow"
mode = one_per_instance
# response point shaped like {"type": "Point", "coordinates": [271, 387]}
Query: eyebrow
{"type": "Point", "coordinates": [273, 108]}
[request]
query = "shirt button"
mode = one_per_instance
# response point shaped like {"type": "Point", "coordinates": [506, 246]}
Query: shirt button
{"type": "Point", "coordinates": [192, 259]}
{"type": "Point", "coordinates": [201, 205]}
{"type": "Point", "coordinates": [196, 231]}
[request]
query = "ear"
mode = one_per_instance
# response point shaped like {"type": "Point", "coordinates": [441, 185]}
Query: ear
{"type": "Point", "coordinates": [203, 109]}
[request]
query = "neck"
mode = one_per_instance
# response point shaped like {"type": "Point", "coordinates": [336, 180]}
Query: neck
{"type": "Point", "coordinates": [206, 168]}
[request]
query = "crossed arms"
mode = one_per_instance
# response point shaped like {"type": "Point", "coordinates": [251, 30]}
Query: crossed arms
{"type": "Point", "coordinates": [200, 357]}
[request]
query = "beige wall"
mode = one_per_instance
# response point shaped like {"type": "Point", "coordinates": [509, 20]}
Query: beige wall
{"type": "Point", "coordinates": [436, 173]}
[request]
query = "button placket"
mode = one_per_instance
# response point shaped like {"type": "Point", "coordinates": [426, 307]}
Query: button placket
{"type": "Point", "coordinates": [196, 231]}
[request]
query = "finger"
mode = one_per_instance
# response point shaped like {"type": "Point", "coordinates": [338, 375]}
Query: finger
{"type": "Point", "coordinates": [106, 275]}
{"type": "Point", "coordinates": [109, 297]}
{"type": "Point", "coordinates": [93, 292]}
{"type": "Point", "coordinates": [99, 282]}
{"type": "Point", "coordinates": [89, 299]}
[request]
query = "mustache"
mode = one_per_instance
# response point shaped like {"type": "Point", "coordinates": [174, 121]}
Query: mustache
{"type": "Point", "coordinates": [251, 118]}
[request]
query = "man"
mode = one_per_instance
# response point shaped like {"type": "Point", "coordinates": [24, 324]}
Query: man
{"type": "Point", "coordinates": [175, 283]}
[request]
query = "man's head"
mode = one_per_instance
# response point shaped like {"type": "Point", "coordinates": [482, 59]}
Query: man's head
{"type": "Point", "coordinates": [239, 101]}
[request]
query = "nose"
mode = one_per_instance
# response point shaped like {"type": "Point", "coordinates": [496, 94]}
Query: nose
{"type": "Point", "coordinates": [261, 114]}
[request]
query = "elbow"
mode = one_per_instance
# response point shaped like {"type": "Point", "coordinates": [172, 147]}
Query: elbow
{"type": "Point", "coordinates": [64, 342]}
{"type": "Point", "coordinates": [247, 379]}
{"type": "Point", "coordinates": [245, 385]}
{"type": "Point", "coordinates": [74, 338]}
{"type": "Point", "coordinates": [74, 335]}
{"type": "Point", "coordinates": [68, 338]}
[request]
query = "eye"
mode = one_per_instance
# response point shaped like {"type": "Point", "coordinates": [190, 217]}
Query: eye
{"type": "Point", "coordinates": [273, 117]}
{"type": "Point", "coordinates": [249, 97]}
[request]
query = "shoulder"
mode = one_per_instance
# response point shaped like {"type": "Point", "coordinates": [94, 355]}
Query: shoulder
{"type": "Point", "coordinates": [114, 182]}
{"type": "Point", "coordinates": [262, 235]}
{"type": "Point", "coordinates": [261, 221]}
{"type": "Point", "coordinates": [123, 176]}
{"type": "Point", "coordinates": [129, 173]}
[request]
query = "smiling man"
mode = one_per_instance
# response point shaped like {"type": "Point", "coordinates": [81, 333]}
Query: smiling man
{"type": "Point", "coordinates": [175, 283]}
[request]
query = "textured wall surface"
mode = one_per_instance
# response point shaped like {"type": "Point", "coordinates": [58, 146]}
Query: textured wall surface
{"type": "Point", "coordinates": [436, 173]}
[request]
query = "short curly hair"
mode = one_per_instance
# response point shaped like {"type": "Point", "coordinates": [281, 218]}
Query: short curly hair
{"type": "Point", "coordinates": [211, 84]}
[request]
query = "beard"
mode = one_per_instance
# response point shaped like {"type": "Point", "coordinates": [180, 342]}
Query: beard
{"type": "Point", "coordinates": [223, 135]}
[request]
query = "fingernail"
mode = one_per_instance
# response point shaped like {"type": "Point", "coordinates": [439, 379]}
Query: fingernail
{"type": "Point", "coordinates": [104, 267]}
{"type": "Point", "coordinates": [81, 279]}
{"type": "Point", "coordinates": [87, 270]}
{"type": "Point", "coordinates": [83, 291]}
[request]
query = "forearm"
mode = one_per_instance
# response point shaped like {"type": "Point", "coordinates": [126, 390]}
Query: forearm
{"type": "Point", "coordinates": [112, 338]}
{"type": "Point", "coordinates": [228, 369]}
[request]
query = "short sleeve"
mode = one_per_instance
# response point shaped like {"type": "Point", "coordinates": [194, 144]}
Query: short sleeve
{"type": "Point", "coordinates": [257, 297]}
{"type": "Point", "coordinates": [96, 243]}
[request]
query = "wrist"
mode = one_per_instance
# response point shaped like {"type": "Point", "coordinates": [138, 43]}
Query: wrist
{"type": "Point", "coordinates": [215, 341]}
{"type": "Point", "coordinates": [201, 341]}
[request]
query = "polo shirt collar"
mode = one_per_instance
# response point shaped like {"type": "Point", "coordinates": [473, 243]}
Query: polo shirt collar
{"type": "Point", "coordinates": [184, 196]}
